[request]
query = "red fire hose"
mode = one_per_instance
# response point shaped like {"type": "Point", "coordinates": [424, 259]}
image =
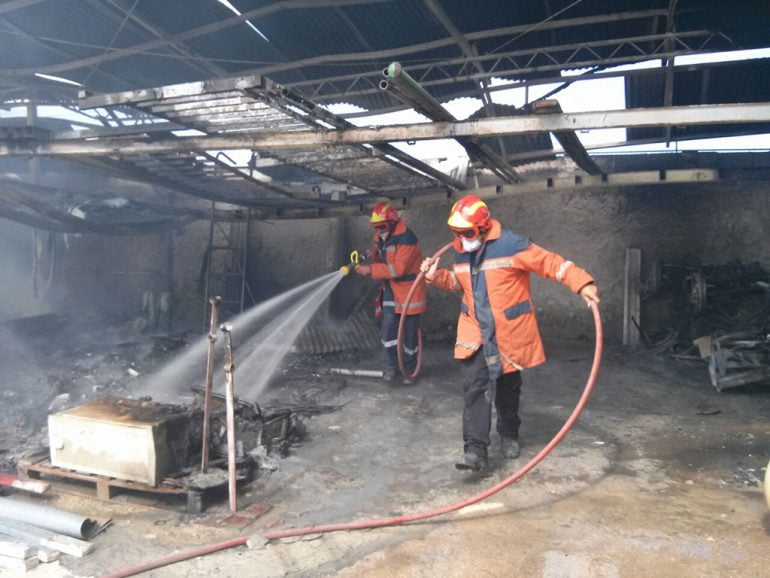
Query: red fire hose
{"type": "Point", "coordinates": [397, 520]}
{"type": "Point", "coordinates": [402, 322]}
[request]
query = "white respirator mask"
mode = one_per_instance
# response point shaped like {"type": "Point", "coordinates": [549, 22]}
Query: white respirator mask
{"type": "Point", "coordinates": [384, 235]}
{"type": "Point", "coordinates": [470, 245]}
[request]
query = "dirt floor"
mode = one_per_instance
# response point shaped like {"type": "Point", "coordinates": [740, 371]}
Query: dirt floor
{"type": "Point", "coordinates": [660, 477]}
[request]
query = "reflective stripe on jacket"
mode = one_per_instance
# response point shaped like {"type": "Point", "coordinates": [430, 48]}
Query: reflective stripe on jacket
{"type": "Point", "coordinates": [398, 263]}
{"type": "Point", "coordinates": [497, 310]}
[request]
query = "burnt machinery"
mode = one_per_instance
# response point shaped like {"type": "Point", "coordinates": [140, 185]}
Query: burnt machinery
{"type": "Point", "coordinates": [720, 311]}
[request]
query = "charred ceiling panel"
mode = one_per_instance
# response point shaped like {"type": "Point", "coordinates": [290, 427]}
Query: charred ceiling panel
{"type": "Point", "coordinates": [733, 82]}
{"type": "Point", "coordinates": [254, 104]}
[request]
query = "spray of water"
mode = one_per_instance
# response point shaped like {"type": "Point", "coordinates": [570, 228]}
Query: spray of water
{"type": "Point", "coordinates": [262, 355]}
{"type": "Point", "coordinates": [173, 381]}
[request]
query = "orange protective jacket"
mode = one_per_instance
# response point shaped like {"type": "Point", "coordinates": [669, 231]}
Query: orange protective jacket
{"type": "Point", "coordinates": [497, 311]}
{"type": "Point", "coordinates": [397, 262]}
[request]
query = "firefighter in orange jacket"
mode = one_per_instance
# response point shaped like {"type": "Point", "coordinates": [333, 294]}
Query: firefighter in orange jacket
{"type": "Point", "coordinates": [396, 261]}
{"type": "Point", "coordinates": [497, 335]}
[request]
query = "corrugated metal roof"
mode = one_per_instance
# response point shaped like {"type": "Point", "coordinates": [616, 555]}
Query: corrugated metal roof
{"type": "Point", "coordinates": [349, 29]}
{"type": "Point", "coordinates": [717, 84]}
{"type": "Point", "coordinates": [77, 29]}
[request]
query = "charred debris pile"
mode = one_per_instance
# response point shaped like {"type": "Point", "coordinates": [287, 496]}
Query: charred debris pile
{"type": "Point", "coordinates": [715, 314]}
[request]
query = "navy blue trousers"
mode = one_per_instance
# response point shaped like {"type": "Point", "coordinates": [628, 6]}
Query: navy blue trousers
{"type": "Point", "coordinates": [389, 336]}
{"type": "Point", "coordinates": [477, 410]}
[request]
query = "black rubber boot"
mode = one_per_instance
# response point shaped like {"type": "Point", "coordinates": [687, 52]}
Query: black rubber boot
{"type": "Point", "coordinates": [472, 461]}
{"type": "Point", "coordinates": [509, 447]}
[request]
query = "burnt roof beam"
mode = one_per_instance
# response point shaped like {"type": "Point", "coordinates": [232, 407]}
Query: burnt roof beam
{"type": "Point", "coordinates": [571, 183]}
{"type": "Point", "coordinates": [406, 89]}
{"type": "Point", "coordinates": [747, 113]}
{"type": "Point", "coordinates": [187, 89]}
{"type": "Point", "coordinates": [129, 170]}
{"type": "Point", "coordinates": [26, 198]}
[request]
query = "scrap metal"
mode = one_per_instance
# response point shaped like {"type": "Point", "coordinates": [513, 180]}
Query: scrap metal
{"type": "Point", "coordinates": [739, 359]}
{"type": "Point", "coordinates": [723, 311]}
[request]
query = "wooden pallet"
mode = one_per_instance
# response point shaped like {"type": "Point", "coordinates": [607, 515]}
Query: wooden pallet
{"type": "Point", "coordinates": [38, 466]}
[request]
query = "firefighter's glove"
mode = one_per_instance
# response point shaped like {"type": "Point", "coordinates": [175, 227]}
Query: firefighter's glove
{"type": "Point", "coordinates": [363, 270]}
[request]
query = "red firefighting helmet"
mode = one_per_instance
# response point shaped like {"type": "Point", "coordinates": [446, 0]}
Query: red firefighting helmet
{"type": "Point", "coordinates": [469, 213]}
{"type": "Point", "coordinates": [383, 213]}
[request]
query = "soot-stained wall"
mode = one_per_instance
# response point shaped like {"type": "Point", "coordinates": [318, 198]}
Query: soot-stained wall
{"type": "Point", "coordinates": [709, 224]}
{"type": "Point", "coordinates": [18, 298]}
{"type": "Point", "coordinates": [108, 275]}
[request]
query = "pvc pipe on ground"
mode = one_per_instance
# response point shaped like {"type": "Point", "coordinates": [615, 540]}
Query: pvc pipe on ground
{"type": "Point", "coordinates": [48, 518]}
{"type": "Point", "coordinates": [40, 537]}
{"type": "Point", "coordinates": [357, 372]}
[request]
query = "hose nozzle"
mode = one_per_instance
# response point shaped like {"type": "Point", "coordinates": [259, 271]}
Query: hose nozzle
{"type": "Point", "coordinates": [346, 269]}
